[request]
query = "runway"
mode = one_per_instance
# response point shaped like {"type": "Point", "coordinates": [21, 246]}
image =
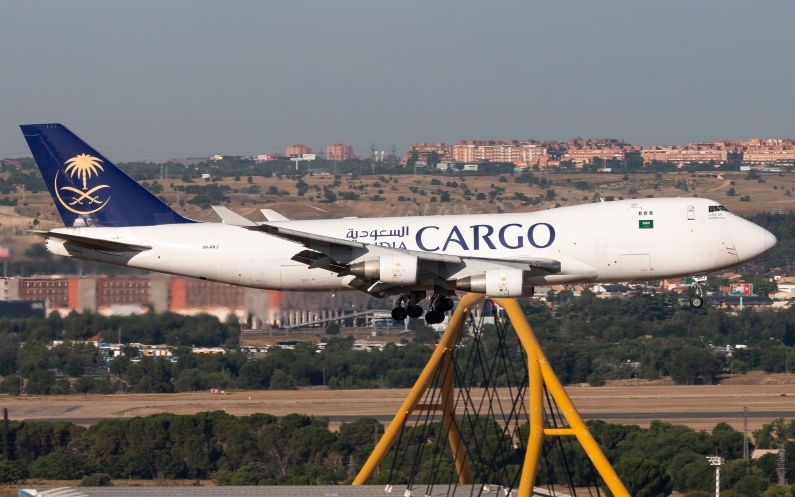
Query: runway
{"type": "Point", "coordinates": [699, 407]}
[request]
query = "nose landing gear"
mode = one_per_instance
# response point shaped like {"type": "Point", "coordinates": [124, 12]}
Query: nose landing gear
{"type": "Point", "coordinates": [697, 300]}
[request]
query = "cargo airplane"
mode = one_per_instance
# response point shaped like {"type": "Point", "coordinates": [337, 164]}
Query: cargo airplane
{"type": "Point", "coordinates": [109, 217]}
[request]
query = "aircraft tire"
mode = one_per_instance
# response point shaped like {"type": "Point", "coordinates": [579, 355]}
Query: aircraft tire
{"type": "Point", "coordinates": [434, 317]}
{"type": "Point", "coordinates": [696, 302]}
{"type": "Point", "coordinates": [446, 304]}
{"type": "Point", "coordinates": [399, 313]}
{"type": "Point", "coordinates": [414, 311]}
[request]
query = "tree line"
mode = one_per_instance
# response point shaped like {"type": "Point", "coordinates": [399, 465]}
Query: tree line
{"type": "Point", "coordinates": [586, 338]}
{"type": "Point", "coordinates": [301, 450]}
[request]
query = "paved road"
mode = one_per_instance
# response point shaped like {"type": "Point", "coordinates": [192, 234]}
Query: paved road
{"type": "Point", "coordinates": [611, 416]}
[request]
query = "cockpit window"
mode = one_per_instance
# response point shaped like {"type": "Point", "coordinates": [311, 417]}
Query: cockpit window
{"type": "Point", "coordinates": [716, 208]}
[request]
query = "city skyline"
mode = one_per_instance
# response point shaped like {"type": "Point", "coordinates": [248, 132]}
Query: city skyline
{"type": "Point", "coordinates": [156, 80]}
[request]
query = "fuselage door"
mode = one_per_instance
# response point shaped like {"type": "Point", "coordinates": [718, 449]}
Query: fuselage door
{"type": "Point", "coordinates": [635, 266]}
{"type": "Point", "coordinates": [691, 213]}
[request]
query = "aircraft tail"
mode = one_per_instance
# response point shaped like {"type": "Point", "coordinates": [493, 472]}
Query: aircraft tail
{"type": "Point", "coordinates": [87, 188]}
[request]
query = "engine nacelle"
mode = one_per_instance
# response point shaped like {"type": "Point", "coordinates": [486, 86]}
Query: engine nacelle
{"type": "Point", "coordinates": [397, 269]}
{"type": "Point", "coordinates": [500, 282]}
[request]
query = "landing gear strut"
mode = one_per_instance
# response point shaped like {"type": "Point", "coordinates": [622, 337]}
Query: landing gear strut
{"type": "Point", "coordinates": [407, 306]}
{"type": "Point", "coordinates": [697, 300]}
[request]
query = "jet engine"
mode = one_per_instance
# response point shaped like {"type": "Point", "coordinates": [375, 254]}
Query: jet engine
{"type": "Point", "coordinates": [397, 269]}
{"type": "Point", "coordinates": [500, 282]}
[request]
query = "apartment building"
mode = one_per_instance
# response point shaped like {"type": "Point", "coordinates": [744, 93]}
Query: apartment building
{"type": "Point", "coordinates": [685, 154]}
{"type": "Point", "coordinates": [585, 150]}
{"type": "Point", "coordinates": [443, 152]}
{"type": "Point", "coordinates": [522, 154]}
{"type": "Point", "coordinates": [769, 151]}
{"type": "Point", "coordinates": [298, 149]}
{"type": "Point", "coordinates": [339, 152]}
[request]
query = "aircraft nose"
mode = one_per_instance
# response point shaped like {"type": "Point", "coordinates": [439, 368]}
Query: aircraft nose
{"type": "Point", "coordinates": [750, 240]}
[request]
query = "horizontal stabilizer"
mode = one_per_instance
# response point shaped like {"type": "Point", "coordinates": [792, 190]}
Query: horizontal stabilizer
{"type": "Point", "coordinates": [93, 243]}
{"type": "Point", "coordinates": [232, 218]}
{"type": "Point", "coordinates": [272, 215]}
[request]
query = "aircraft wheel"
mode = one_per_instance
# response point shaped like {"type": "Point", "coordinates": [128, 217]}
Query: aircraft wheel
{"type": "Point", "coordinates": [414, 311]}
{"type": "Point", "coordinates": [446, 304]}
{"type": "Point", "coordinates": [434, 317]}
{"type": "Point", "coordinates": [399, 313]}
{"type": "Point", "coordinates": [696, 302]}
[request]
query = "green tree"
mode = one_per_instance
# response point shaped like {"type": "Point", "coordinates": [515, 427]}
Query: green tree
{"type": "Point", "coordinates": [9, 473]}
{"type": "Point", "coordinates": [248, 474]}
{"type": "Point", "coordinates": [96, 480]}
{"type": "Point", "coordinates": [693, 365]}
{"type": "Point", "coordinates": [743, 477]}
{"type": "Point", "coordinates": [777, 491]}
{"type": "Point", "coordinates": [644, 478]}
{"type": "Point", "coordinates": [10, 385]}
{"type": "Point", "coordinates": [333, 328]}
{"type": "Point", "coordinates": [59, 465]}
{"type": "Point", "coordinates": [40, 382]}
{"type": "Point", "coordinates": [281, 381]}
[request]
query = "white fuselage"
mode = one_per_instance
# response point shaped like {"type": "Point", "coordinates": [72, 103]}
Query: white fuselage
{"type": "Point", "coordinates": [646, 239]}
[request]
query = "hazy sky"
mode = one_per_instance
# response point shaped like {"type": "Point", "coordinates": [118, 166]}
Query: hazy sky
{"type": "Point", "coordinates": [158, 79]}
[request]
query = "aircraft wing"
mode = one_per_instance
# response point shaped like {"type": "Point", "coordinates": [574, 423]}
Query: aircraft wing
{"type": "Point", "coordinates": [325, 244]}
{"type": "Point", "coordinates": [336, 254]}
{"type": "Point", "coordinates": [92, 243]}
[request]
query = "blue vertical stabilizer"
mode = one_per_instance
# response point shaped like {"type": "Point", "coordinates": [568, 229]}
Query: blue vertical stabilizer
{"type": "Point", "coordinates": [88, 189]}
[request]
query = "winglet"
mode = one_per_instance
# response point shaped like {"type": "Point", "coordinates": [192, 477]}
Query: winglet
{"type": "Point", "coordinates": [272, 215]}
{"type": "Point", "coordinates": [231, 218]}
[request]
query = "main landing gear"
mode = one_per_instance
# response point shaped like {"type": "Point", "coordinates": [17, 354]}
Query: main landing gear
{"type": "Point", "coordinates": [697, 300]}
{"type": "Point", "coordinates": [439, 305]}
{"type": "Point", "coordinates": [407, 306]}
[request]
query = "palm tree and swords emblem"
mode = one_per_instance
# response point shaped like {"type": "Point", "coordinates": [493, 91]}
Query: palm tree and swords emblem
{"type": "Point", "coordinates": [82, 166]}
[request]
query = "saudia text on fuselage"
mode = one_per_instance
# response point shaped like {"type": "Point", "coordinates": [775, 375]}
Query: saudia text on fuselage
{"type": "Point", "coordinates": [511, 236]}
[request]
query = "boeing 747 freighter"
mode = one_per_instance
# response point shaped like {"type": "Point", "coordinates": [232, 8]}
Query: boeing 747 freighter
{"type": "Point", "coordinates": [108, 217]}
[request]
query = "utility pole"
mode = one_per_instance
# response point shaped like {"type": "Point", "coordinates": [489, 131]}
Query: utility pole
{"type": "Point", "coordinates": [6, 452]}
{"type": "Point", "coordinates": [717, 462]}
{"type": "Point", "coordinates": [745, 434]}
{"type": "Point", "coordinates": [351, 468]}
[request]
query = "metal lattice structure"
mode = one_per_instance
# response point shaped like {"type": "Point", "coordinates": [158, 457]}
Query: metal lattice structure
{"type": "Point", "coordinates": [746, 456]}
{"type": "Point", "coordinates": [781, 469]}
{"type": "Point", "coordinates": [455, 413]}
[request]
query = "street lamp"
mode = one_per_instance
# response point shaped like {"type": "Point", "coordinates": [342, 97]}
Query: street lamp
{"type": "Point", "coordinates": [717, 462]}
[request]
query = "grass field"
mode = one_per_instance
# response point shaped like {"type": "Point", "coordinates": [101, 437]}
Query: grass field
{"type": "Point", "coordinates": [689, 405]}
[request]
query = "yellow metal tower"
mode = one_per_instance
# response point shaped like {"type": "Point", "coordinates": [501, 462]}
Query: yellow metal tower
{"type": "Point", "coordinates": [540, 375]}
